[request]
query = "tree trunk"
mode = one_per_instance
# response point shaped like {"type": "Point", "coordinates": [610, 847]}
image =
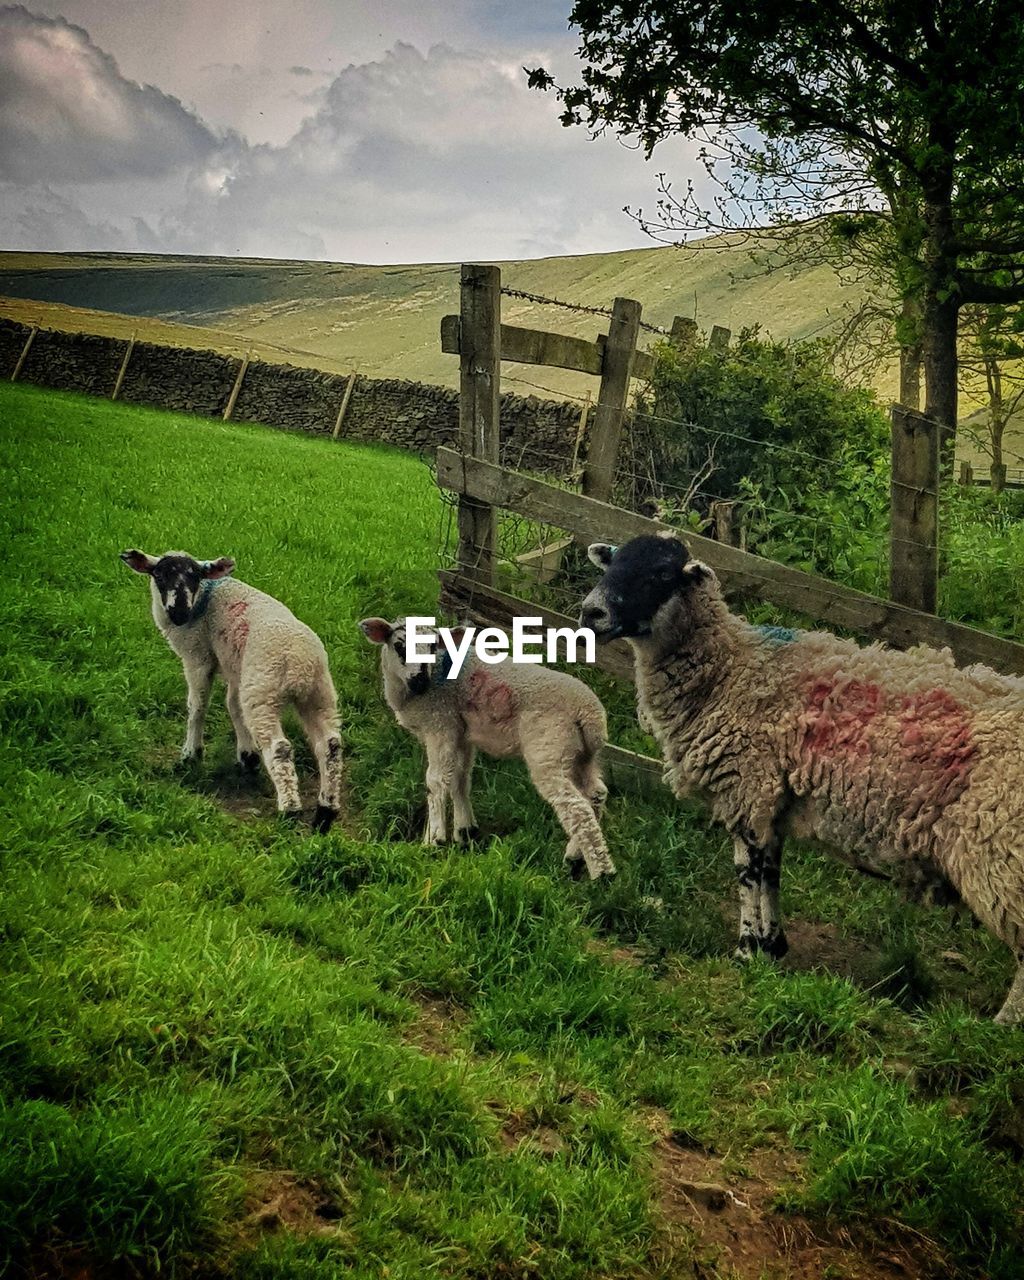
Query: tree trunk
{"type": "Point", "coordinates": [941, 311]}
{"type": "Point", "coordinates": [939, 358]}
{"type": "Point", "coordinates": [910, 355]}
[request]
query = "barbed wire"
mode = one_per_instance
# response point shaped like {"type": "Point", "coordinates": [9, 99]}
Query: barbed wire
{"type": "Point", "coordinates": [576, 306]}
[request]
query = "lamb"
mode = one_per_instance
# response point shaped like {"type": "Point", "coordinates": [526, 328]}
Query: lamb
{"type": "Point", "coordinates": [900, 762]}
{"type": "Point", "coordinates": [267, 657]}
{"type": "Point", "coordinates": [551, 720]}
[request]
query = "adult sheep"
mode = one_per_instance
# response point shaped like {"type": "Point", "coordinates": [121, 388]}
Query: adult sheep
{"type": "Point", "coordinates": [898, 762]}
{"type": "Point", "coordinates": [268, 658]}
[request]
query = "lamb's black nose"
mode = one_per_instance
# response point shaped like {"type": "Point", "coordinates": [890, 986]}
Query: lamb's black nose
{"type": "Point", "coordinates": [593, 616]}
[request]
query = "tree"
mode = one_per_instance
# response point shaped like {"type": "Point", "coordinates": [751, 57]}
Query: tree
{"type": "Point", "coordinates": [903, 117]}
{"type": "Point", "coordinates": [991, 337]}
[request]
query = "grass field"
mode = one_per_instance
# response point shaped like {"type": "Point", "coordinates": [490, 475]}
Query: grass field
{"type": "Point", "coordinates": [231, 1048]}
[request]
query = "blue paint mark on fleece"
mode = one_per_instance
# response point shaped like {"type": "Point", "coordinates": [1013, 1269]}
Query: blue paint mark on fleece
{"type": "Point", "coordinates": [777, 635]}
{"type": "Point", "coordinates": [441, 667]}
{"type": "Point", "coordinates": [203, 600]}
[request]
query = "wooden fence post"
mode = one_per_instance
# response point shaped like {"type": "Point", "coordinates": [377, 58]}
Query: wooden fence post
{"type": "Point", "coordinates": [966, 473]}
{"type": "Point", "coordinates": [24, 352]}
{"type": "Point", "coordinates": [119, 380]}
{"type": "Point", "coordinates": [610, 414]}
{"type": "Point", "coordinates": [913, 537]}
{"type": "Point", "coordinates": [346, 397]}
{"type": "Point", "coordinates": [720, 338]}
{"type": "Point", "coordinates": [479, 432]}
{"type": "Point", "coordinates": [229, 408]}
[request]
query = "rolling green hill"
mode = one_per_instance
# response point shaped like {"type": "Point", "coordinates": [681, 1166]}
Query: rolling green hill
{"type": "Point", "coordinates": [385, 320]}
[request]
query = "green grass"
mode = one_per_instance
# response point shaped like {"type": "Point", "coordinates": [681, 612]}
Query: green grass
{"type": "Point", "coordinates": [197, 1006]}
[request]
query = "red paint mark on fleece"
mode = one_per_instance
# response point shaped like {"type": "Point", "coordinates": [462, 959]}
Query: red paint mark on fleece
{"type": "Point", "coordinates": [935, 733]}
{"type": "Point", "coordinates": [838, 716]}
{"type": "Point", "coordinates": [490, 696]}
{"type": "Point", "coordinates": [933, 730]}
{"type": "Point", "coordinates": [239, 624]}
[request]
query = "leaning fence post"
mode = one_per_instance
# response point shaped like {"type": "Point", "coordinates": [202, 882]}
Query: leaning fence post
{"type": "Point", "coordinates": [24, 352]}
{"type": "Point", "coordinates": [479, 383]}
{"type": "Point", "coordinates": [343, 407]}
{"type": "Point", "coordinates": [610, 414]}
{"type": "Point", "coordinates": [119, 380]}
{"type": "Point", "coordinates": [229, 408]}
{"type": "Point", "coordinates": [914, 527]}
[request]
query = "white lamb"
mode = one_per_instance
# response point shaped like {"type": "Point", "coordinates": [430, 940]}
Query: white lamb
{"type": "Point", "coordinates": [552, 721]}
{"type": "Point", "coordinates": [267, 657]}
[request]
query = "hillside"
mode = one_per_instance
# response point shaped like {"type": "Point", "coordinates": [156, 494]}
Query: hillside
{"type": "Point", "coordinates": [385, 320]}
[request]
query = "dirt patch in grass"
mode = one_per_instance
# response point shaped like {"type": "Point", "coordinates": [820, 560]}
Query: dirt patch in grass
{"type": "Point", "coordinates": [813, 945]}
{"type": "Point", "coordinates": [737, 1233]}
{"type": "Point", "coordinates": [434, 1026]}
{"type": "Point", "coordinates": [279, 1201]}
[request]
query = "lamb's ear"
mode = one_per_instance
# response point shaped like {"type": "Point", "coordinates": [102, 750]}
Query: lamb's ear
{"type": "Point", "coordinates": [601, 554]}
{"type": "Point", "coordinates": [139, 560]}
{"type": "Point", "coordinates": [376, 630]}
{"type": "Point", "coordinates": [217, 568]}
{"type": "Point", "coordinates": [697, 571]}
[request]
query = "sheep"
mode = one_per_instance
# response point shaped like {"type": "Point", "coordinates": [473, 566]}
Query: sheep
{"type": "Point", "coordinates": [267, 657]}
{"type": "Point", "coordinates": [551, 720]}
{"type": "Point", "coordinates": [899, 762]}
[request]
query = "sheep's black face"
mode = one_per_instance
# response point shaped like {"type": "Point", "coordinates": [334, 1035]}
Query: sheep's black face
{"type": "Point", "coordinates": [639, 579]}
{"type": "Point", "coordinates": [391, 636]}
{"type": "Point", "coordinates": [178, 580]}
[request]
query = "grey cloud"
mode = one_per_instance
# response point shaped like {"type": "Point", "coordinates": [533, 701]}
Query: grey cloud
{"type": "Point", "coordinates": [67, 114]}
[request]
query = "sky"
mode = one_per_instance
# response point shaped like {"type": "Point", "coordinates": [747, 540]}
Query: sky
{"type": "Point", "coordinates": [398, 131]}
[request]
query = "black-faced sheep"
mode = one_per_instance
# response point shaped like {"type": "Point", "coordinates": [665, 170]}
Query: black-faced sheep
{"type": "Point", "coordinates": [267, 657]}
{"type": "Point", "coordinates": [899, 762]}
{"type": "Point", "coordinates": [549, 719]}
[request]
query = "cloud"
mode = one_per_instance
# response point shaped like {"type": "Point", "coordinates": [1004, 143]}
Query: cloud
{"type": "Point", "coordinates": [67, 114]}
{"type": "Point", "coordinates": [429, 156]}
{"type": "Point", "coordinates": [435, 156]}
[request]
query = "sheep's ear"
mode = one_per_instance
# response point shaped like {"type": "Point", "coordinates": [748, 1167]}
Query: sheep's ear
{"type": "Point", "coordinates": [376, 630]}
{"type": "Point", "coordinates": [217, 568]}
{"type": "Point", "coordinates": [139, 561]}
{"type": "Point", "coordinates": [601, 554]}
{"type": "Point", "coordinates": [697, 571]}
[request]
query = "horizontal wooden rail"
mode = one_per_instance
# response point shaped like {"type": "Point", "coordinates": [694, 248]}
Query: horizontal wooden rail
{"type": "Point", "coordinates": [537, 346]}
{"type": "Point", "coordinates": [743, 575]}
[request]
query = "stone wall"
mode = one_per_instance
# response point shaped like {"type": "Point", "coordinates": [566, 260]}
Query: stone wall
{"type": "Point", "coordinates": [538, 435]}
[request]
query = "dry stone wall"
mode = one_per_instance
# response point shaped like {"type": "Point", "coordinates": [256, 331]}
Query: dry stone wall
{"type": "Point", "coordinates": [538, 435]}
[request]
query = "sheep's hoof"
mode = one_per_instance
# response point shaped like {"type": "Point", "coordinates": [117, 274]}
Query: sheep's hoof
{"type": "Point", "coordinates": [467, 836]}
{"type": "Point", "coordinates": [775, 947]}
{"type": "Point", "coordinates": [289, 817]}
{"type": "Point", "coordinates": [323, 818]}
{"type": "Point", "coordinates": [249, 761]}
{"type": "Point", "coordinates": [577, 868]}
{"type": "Point", "coordinates": [189, 763]}
{"type": "Point", "coordinates": [746, 949]}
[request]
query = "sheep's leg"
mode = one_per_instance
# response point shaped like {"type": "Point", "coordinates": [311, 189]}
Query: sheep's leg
{"type": "Point", "coordinates": [575, 812]}
{"type": "Point", "coordinates": [320, 721]}
{"type": "Point", "coordinates": [462, 777]}
{"type": "Point", "coordinates": [587, 776]}
{"type": "Point", "coordinates": [246, 753]}
{"type": "Point", "coordinates": [748, 861]}
{"type": "Point", "coordinates": [263, 718]}
{"type": "Point", "coordinates": [772, 938]}
{"type": "Point", "coordinates": [199, 678]}
{"type": "Point", "coordinates": [1012, 1011]}
{"type": "Point", "coordinates": [757, 875]}
{"type": "Point", "coordinates": [441, 767]}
